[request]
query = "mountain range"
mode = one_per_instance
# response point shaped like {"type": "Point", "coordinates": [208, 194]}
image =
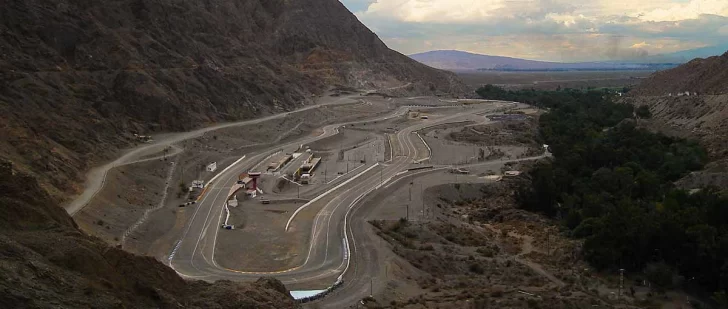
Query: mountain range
{"type": "Point", "coordinates": [453, 60]}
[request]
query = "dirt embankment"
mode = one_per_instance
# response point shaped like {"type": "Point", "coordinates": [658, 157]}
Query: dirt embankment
{"type": "Point", "coordinates": [485, 252]}
{"type": "Point", "coordinates": [522, 132]}
{"type": "Point", "coordinates": [480, 250]}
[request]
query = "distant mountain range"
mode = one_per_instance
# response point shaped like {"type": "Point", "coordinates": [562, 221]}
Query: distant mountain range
{"type": "Point", "coordinates": [463, 61]}
{"type": "Point", "coordinates": [690, 54]}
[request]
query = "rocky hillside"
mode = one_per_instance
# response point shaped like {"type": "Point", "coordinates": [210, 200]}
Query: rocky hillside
{"type": "Point", "coordinates": [78, 78]}
{"type": "Point", "coordinates": [47, 262]}
{"type": "Point", "coordinates": [702, 116]}
{"type": "Point", "coordinates": [702, 76]}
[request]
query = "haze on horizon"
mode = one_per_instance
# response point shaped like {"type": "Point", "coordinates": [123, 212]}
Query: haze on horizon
{"type": "Point", "coordinates": [551, 30]}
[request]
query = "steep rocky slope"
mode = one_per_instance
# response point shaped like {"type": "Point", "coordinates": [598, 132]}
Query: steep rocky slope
{"type": "Point", "coordinates": [47, 262]}
{"type": "Point", "coordinates": [78, 78]}
{"type": "Point", "coordinates": [702, 76]}
{"type": "Point", "coordinates": [703, 116]}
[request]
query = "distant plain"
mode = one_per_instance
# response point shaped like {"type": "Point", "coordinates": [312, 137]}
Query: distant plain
{"type": "Point", "coordinates": [554, 80]}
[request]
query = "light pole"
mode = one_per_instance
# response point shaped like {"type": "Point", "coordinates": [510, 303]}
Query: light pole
{"type": "Point", "coordinates": [422, 196]}
{"type": "Point", "coordinates": [371, 287]}
{"type": "Point", "coordinates": [410, 191]}
{"type": "Point", "coordinates": [548, 242]}
{"type": "Point", "coordinates": [621, 281]}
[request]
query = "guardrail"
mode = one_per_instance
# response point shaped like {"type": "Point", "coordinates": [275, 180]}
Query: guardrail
{"type": "Point", "coordinates": [429, 150]}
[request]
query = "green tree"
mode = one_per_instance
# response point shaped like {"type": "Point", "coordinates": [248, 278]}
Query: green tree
{"type": "Point", "coordinates": [644, 112]}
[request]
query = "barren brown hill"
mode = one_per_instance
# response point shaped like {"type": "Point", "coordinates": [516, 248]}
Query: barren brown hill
{"type": "Point", "coordinates": [78, 78]}
{"type": "Point", "coordinates": [704, 76]}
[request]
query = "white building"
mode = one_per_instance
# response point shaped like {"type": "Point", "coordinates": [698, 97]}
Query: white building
{"type": "Point", "coordinates": [212, 167]}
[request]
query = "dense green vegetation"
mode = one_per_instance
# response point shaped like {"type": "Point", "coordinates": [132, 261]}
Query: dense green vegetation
{"type": "Point", "coordinates": [611, 184]}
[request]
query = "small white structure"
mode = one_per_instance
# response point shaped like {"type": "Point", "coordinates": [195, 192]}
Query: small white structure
{"type": "Point", "coordinates": [212, 167]}
{"type": "Point", "coordinates": [512, 173]}
{"type": "Point", "coordinates": [233, 202]}
{"type": "Point", "coordinates": [200, 184]}
{"type": "Point", "coordinates": [305, 179]}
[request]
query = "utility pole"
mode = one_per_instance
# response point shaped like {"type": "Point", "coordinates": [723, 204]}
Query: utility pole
{"type": "Point", "coordinates": [407, 212]}
{"type": "Point", "coordinates": [621, 281]}
{"type": "Point", "coordinates": [422, 196]}
{"type": "Point", "coordinates": [299, 191]}
{"type": "Point", "coordinates": [548, 242]}
{"type": "Point", "coordinates": [371, 287]}
{"type": "Point", "coordinates": [410, 191]}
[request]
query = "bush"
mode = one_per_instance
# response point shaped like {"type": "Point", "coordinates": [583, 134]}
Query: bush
{"type": "Point", "coordinates": [476, 268]}
{"type": "Point", "coordinates": [660, 274]}
{"type": "Point", "coordinates": [427, 247]}
{"type": "Point", "coordinates": [485, 251]}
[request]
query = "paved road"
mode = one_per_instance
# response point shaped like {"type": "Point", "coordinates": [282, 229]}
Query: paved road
{"type": "Point", "coordinates": [338, 242]}
{"type": "Point", "coordinates": [194, 255]}
{"type": "Point", "coordinates": [326, 259]}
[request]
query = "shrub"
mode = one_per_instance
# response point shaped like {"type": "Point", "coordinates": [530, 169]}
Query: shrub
{"type": "Point", "coordinates": [476, 268]}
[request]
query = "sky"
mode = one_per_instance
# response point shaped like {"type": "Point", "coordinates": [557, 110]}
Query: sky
{"type": "Point", "coordinates": [554, 30]}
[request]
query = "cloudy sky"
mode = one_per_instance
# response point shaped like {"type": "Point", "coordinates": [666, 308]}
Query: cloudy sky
{"type": "Point", "coordinates": [557, 30]}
